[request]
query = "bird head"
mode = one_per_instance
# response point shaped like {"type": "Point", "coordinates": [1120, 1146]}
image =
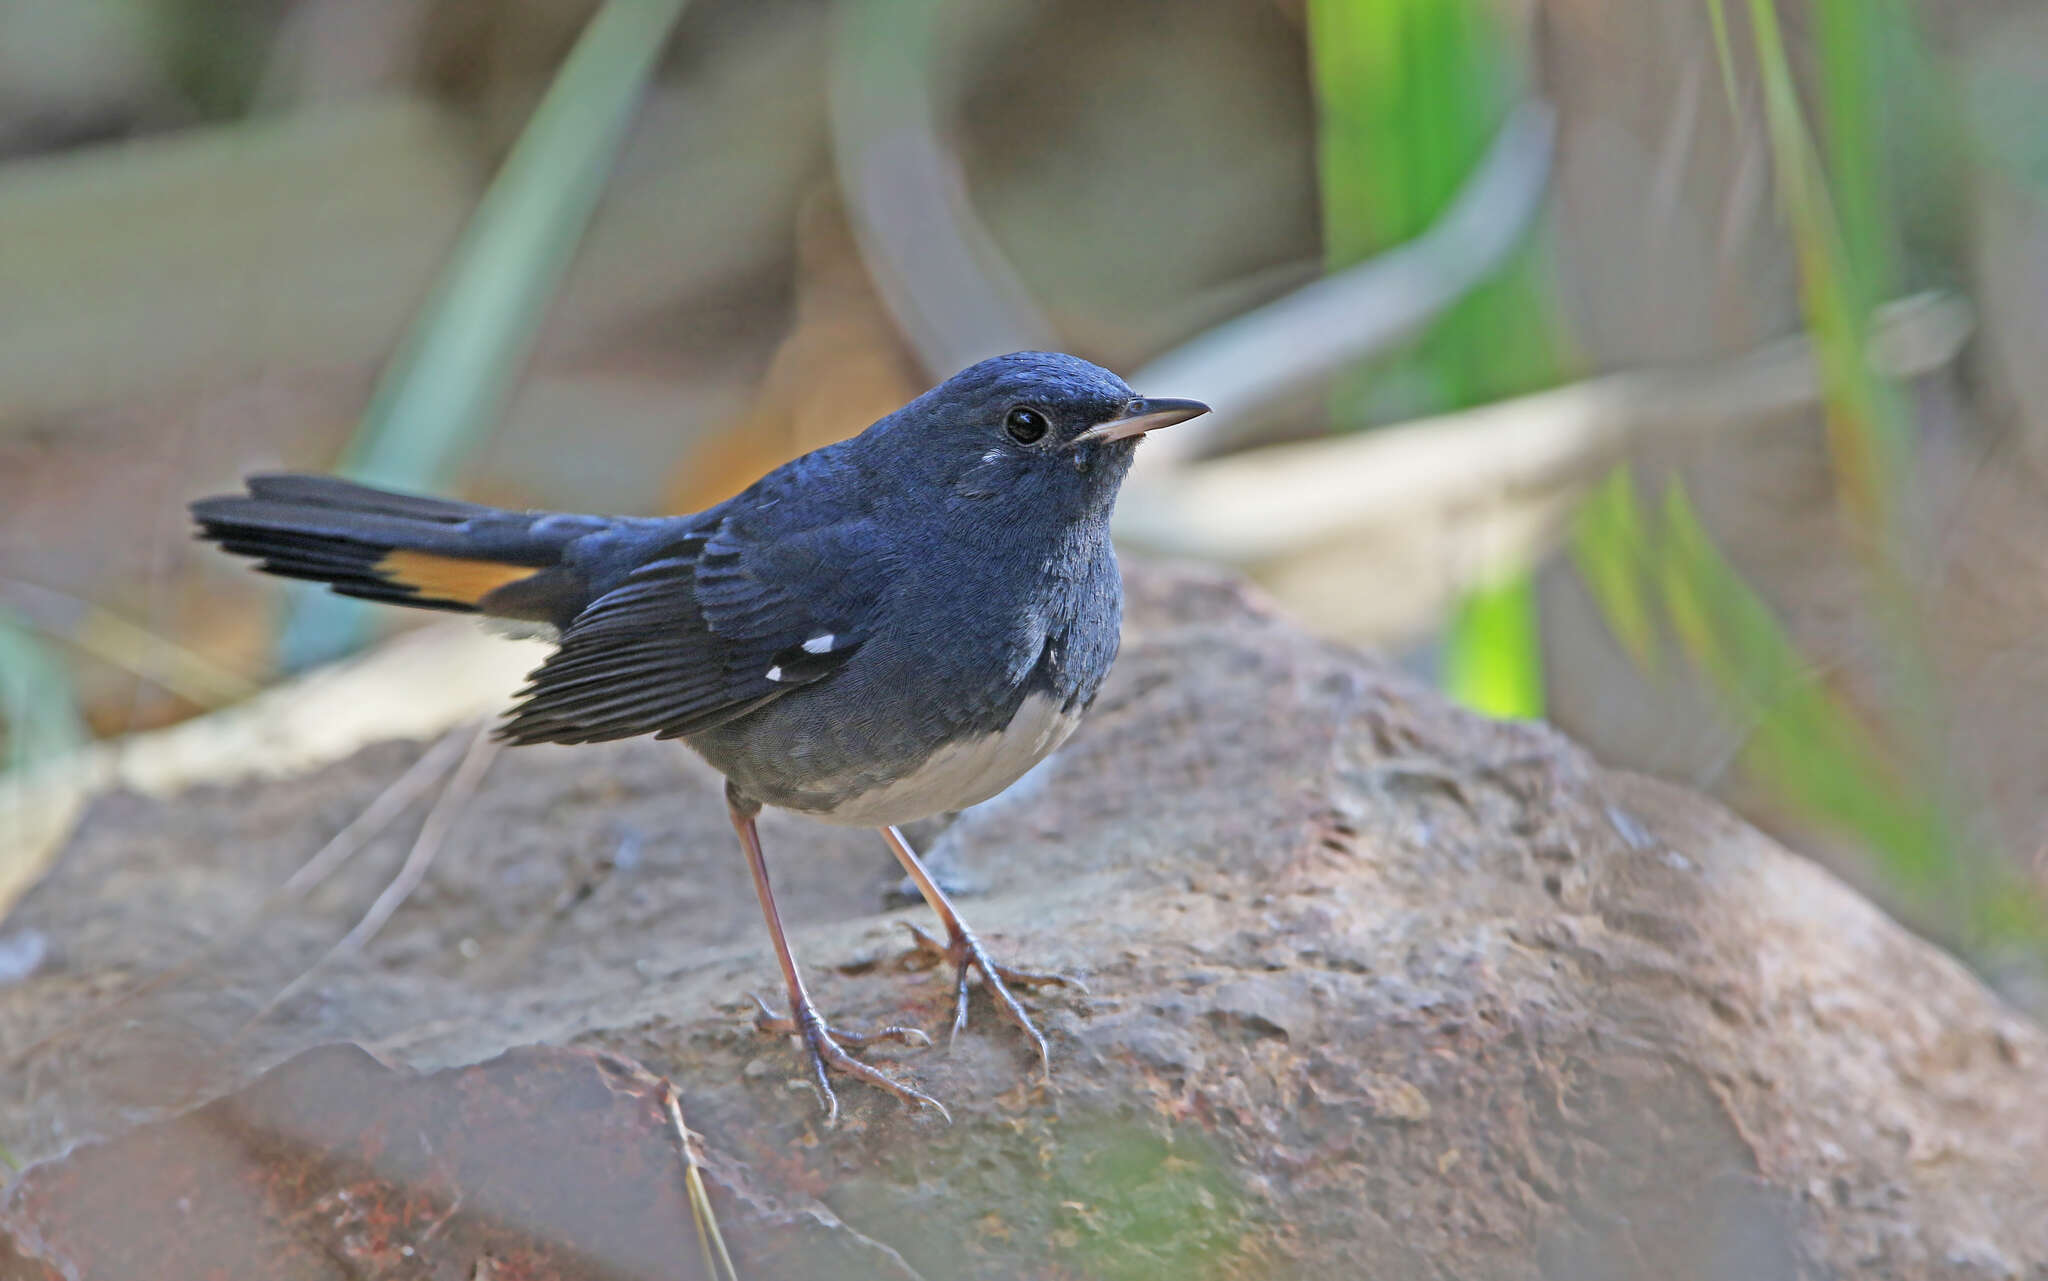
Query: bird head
{"type": "Point", "coordinates": [1035, 423]}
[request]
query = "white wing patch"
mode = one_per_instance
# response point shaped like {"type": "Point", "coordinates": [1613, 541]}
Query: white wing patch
{"type": "Point", "coordinates": [819, 644]}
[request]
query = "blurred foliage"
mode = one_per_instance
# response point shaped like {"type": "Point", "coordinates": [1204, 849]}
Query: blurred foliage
{"type": "Point", "coordinates": [1808, 742]}
{"type": "Point", "coordinates": [443, 392]}
{"type": "Point", "coordinates": [1409, 93]}
{"type": "Point", "coordinates": [1842, 235]}
{"type": "Point", "coordinates": [1853, 39]}
{"type": "Point", "coordinates": [1877, 773]}
{"type": "Point", "coordinates": [38, 706]}
{"type": "Point", "coordinates": [2005, 101]}
{"type": "Point", "coordinates": [1611, 549]}
{"type": "Point", "coordinates": [1493, 650]}
{"type": "Point", "coordinates": [1804, 738]}
{"type": "Point", "coordinates": [214, 50]}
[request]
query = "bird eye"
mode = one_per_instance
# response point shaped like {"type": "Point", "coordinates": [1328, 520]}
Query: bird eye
{"type": "Point", "coordinates": [1026, 425]}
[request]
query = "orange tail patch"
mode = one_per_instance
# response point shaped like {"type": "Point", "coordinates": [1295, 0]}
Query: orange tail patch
{"type": "Point", "coordinates": [449, 578]}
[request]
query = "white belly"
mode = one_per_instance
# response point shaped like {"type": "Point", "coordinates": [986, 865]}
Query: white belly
{"type": "Point", "coordinates": [965, 773]}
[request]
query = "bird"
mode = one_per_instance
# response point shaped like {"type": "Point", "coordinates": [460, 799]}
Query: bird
{"type": "Point", "coordinates": [894, 626]}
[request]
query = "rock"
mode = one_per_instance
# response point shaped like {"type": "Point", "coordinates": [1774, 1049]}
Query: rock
{"type": "Point", "coordinates": [1375, 988]}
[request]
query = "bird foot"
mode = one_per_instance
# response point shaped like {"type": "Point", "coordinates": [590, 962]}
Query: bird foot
{"type": "Point", "coordinates": [824, 1044]}
{"type": "Point", "coordinates": [964, 952]}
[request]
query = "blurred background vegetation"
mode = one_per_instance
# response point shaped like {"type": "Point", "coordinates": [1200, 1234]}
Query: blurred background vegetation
{"type": "Point", "coordinates": [1724, 454]}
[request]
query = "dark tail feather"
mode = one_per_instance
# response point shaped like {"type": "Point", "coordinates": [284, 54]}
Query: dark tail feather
{"type": "Point", "coordinates": [404, 549]}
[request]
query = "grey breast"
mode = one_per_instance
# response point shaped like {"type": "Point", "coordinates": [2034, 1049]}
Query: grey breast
{"type": "Point", "coordinates": [965, 771]}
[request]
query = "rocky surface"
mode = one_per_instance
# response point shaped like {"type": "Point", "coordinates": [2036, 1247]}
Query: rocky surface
{"type": "Point", "coordinates": [1375, 988]}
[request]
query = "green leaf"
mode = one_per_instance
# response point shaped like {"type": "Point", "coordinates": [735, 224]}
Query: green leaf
{"type": "Point", "coordinates": [1493, 662]}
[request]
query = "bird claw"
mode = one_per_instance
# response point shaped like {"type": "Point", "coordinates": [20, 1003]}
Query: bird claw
{"type": "Point", "coordinates": [767, 1020]}
{"type": "Point", "coordinates": [965, 952]}
{"type": "Point", "coordinates": [827, 1054]}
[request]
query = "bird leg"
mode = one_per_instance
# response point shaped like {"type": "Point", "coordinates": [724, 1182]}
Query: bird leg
{"type": "Point", "coordinates": [822, 1040]}
{"type": "Point", "coordinates": [965, 952]}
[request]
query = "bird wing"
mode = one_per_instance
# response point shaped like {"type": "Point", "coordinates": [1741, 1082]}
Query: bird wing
{"type": "Point", "coordinates": [725, 618]}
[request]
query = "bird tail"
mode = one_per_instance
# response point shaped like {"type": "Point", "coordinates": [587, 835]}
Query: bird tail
{"type": "Point", "coordinates": [403, 549]}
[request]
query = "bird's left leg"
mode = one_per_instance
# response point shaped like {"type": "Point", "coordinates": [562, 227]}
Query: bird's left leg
{"type": "Point", "coordinates": [821, 1040]}
{"type": "Point", "coordinates": [965, 952]}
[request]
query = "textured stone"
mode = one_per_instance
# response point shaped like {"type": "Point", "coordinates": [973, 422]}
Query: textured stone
{"type": "Point", "coordinates": [1376, 988]}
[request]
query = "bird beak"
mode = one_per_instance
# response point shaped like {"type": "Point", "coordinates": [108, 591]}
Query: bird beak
{"type": "Point", "coordinates": [1142, 415]}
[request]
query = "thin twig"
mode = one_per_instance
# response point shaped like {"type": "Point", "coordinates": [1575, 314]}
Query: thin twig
{"type": "Point", "coordinates": [717, 1261]}
{"type": "Point", "coordinates": [441, 820]}
{"type": "Point", "coordinates": [376, 816]}
{"type": "Point", "coordinates": [383, 809]}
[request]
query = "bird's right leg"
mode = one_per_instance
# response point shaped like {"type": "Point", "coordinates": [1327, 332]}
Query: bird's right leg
{"type": "Point", "coordinates": [820, 1038]}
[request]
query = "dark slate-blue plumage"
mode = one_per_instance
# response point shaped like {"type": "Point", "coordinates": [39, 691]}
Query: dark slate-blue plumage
{"type": "Point", "coordinates": [890, 627]}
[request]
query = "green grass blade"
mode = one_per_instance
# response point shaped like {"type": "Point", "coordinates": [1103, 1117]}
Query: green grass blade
{"type": "Point", "coordinates": [1610, 542]}
{"type": "Point", "coordinates": [1724, 52]}
{"type": "Point", "coordinates": [449, 381]}
{"type": "Point", "coordinates": [1409, 93]}
{"type": "Point", "coordinates": [1854, 39]}
{"type": "Point", "coordinates": [1825, 759]}
{"type": "Point", "coordinates": [1804, 741]}
{"type": "Point", "coordinates": [1871, 769]}
{"type": "Point", "coordinates": [1840, 215]}
{"type": "Point", "coordinates": [1868, 431]}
